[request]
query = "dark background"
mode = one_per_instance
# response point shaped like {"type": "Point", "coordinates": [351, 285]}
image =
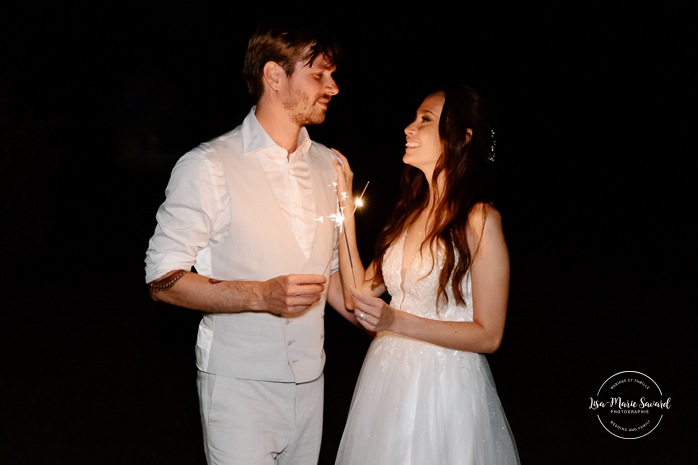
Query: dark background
{"type": "Point", "coordinates": [596, 109]}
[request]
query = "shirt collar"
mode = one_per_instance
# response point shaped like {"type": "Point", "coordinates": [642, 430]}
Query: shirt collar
{"type": "Point", "coordinates": [255, 138]}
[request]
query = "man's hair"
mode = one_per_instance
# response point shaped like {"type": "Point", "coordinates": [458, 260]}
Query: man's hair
{"type": "Point", "coordinates": [287, 41]}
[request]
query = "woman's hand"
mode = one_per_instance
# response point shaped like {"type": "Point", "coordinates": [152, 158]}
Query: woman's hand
{"type": "Point", "coordinates": [373, 313]}
{"type": "Point", "coordinates": [345, 178]}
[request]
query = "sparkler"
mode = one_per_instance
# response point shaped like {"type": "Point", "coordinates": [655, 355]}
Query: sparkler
{"type": "Point", "coordinates": [338, 218]}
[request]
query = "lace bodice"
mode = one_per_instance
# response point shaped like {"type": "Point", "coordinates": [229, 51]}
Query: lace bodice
{"type": "Point", "coordinates": [416, 292]}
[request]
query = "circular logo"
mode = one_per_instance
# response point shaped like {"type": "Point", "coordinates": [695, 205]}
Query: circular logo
{"type": "Point", "coordinates": [630, 405]}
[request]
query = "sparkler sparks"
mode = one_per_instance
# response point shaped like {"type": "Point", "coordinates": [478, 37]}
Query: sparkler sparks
{"type": "Point", "coordinates": [339, 218]}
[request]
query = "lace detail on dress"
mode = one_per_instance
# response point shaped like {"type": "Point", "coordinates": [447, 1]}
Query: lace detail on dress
{"type": "Point", "coordinates": [417, 292]}
{"type": "Point", "coordinates": [418, 403]}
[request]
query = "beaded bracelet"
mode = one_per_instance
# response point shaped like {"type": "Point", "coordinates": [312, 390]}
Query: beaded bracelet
{"type": "Point", "coordinates": [167, 283]}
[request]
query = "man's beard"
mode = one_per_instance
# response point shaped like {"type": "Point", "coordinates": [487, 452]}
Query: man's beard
{"type": "Point", "coordinates": [303, 111]}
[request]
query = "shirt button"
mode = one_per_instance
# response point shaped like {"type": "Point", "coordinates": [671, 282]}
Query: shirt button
{"type": "Point", "coordinates": [291, 341]}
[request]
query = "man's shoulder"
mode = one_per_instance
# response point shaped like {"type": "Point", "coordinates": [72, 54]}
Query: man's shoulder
{"type": "Point", "coordinates": [230, 142]}
{"type": "Point", "coordinates": [233, 136]}
{"type": "Point", "coordinates": [207, 153]}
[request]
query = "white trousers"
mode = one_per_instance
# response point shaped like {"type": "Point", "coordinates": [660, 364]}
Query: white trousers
{"type": "Point", "coordinates": [248, 422]}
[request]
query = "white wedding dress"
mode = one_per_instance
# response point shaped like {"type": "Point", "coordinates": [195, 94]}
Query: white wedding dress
{"type": "Point", "coordinates": [416, 403]}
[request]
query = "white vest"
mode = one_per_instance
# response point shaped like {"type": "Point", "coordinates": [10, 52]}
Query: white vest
{"type": "Point", "coordinates": [257, 345]}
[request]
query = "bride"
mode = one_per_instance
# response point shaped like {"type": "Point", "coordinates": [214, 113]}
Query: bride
{"type": "Point", "coordinates": [425, 393]}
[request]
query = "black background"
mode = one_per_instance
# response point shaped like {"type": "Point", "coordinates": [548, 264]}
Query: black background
{"type": "Point", "coordinates": [596, 109]}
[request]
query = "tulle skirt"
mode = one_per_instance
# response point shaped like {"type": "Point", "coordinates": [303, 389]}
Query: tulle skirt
{"type": "Point", "coordinates": [420, 404]}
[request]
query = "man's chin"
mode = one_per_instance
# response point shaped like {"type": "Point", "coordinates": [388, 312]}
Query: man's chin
{"type": "Point", "coordinates": [316, 119]}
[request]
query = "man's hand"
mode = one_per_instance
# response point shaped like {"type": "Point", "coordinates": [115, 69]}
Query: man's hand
{"type": "Point", "coordinates": [293, 293]}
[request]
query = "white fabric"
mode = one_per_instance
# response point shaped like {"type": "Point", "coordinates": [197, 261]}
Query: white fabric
{"type": "Point", "coordinates": [229, 212]}
{"type": "Point", "coordinates": [416, 403]}
{"type": "Point", "coordinates": [289, 177]}
{"type": "Point", "coordinates": [266, 424]}
{"type": "Point", "coordinates": [197, 213]}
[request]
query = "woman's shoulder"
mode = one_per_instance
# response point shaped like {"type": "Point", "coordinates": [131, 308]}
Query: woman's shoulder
{"type": "Point", "coordinates": [482, 213]}
{"type": "Point", "coordinates": [484, 220]}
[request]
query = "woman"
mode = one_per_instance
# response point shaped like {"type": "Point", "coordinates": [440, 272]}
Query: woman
{"type": "Point", "coordinates": [425, 393]}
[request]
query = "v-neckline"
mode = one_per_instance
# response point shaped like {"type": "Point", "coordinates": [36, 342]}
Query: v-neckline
{"type": "Point", "coordinates": [407, 259]}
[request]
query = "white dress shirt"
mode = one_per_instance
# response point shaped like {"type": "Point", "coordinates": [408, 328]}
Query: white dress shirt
{"type": "Point", "coordinates": [197, 211]}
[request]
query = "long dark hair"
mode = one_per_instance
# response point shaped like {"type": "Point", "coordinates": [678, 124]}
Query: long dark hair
{"type": "Point", "coordinates": [468, 181]}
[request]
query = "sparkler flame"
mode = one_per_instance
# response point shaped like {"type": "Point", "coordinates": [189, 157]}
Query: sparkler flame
{"type": "Point", "coordinates": [339, 218]}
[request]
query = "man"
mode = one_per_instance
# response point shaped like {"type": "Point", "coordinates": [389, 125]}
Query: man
{"type": "Point", "coordinates": [243, 236]}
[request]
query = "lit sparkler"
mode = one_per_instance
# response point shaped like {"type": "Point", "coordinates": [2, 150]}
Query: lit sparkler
{"type": "Point", "coordinates": [339, 218]}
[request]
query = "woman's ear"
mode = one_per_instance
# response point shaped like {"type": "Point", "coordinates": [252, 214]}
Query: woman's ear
{"type": "Point", "coordinates": [468, 135]}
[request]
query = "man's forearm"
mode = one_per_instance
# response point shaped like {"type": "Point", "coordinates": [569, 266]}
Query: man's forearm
{"type": "Point", "coordinates": [190, 290]}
